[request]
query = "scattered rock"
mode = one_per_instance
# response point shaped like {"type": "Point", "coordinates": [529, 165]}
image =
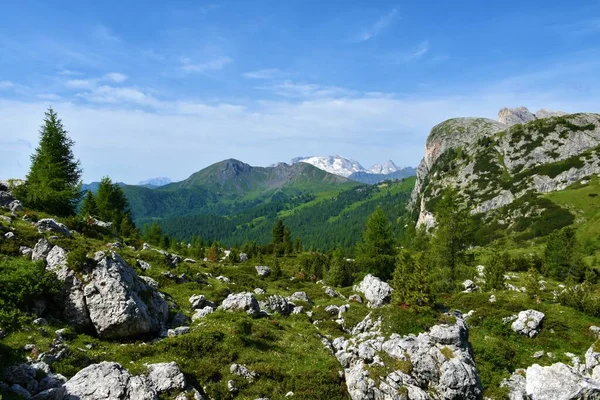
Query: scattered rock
{"type": "Point", "coordinates": [189, 260]}
{"type": "Point", "coordinates": [277, 304]}
{"type": "Point", "coordinates": [15, 206]}
{"type": "Point", "coordinates": [558, 381]}
{"type": "Point", "coordinates": [243, 257]}
{"type": "Point", "coordinates": [595, 331]}
{"type": "Point", "coordinates": [298, 310]}
{"type": "Point", "coordinates": [299, 296]}
{"type": "Point", "coordinates": [356, 298]}
{"type": "Point", "coordinates": [528, 322]}
{"type": "Point", "coordinates": [144, 266]}
{"type": "Point", "coordinates": [469, 286]}
{"type": "Point", "coordinates": [241, 302]}
{"type": "Point", "coordinates": [165, 377]}
{"type": "Point", "coordinates": [9, 235]}
{"type": "Point", "coordinates": [375, 290]}
{"type": "Point", "coordinates": [202, 312]}
{"type": "Point", "coordinates": [198, 301]}
{"type": "Point", "coordinates": [538, 354]}
{"type": "Point", "coordinates": [97, 222]}
{"type": "Point", "coordinates": [263, 271]}
{"type": "Point", "coordinates": [49, 224]}
{"type": "Point", "coordinates": [40, 321]}
{"type": "Point", "coordinates": [243, 371]}
{"type": "Point", "coordinates": [259, 291]}
{"type": "Point", "coordinates": [180, 330]}
{"type": "Point", "coordinates": [330, 292]}
{"type": "Point", "coordinates": [232, 387]}
{"type": "Point", "coordinates": [492, 299]}
{"type": "Point", "coordinates": [223, 279]}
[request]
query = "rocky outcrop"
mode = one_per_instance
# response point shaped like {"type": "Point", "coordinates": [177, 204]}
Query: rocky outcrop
{"type": "Point", "coordinates": [41, 250]}
{"type": "Point", "coordinates": [165, 377]}
{"type": "Point", "coordinates": [513, 116]}
{"type": "Point", "coordinates": [493, 163]}
{"type": "Point", "coordinates": [51, 225]}
{"type": "Point", "coordinates": [241, 302]}
{"type": "Point", "coordinates": [120, 304]}
{"type": "Point", "coordinates": [277, 304]}
{"type": "Point", "coordinates": [375, 290]}
{"type": "Point", "coordinates": [433, 365]}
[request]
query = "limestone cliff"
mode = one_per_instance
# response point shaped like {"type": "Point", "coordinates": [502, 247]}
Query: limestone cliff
{"type": "Point", "coordinates": [494, 163]}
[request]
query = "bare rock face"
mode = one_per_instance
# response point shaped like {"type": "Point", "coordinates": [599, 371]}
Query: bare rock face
{"type": "Point", "coordinates": [120, 304]}
{"type": "Point", "coordinates": [41, 250]}
{"type": "Point", "coordinates": [375, 290]}
{"type": "Point", "coordinates": [513, 116]}
{"type": "Point", "coordinates": [545, 113]}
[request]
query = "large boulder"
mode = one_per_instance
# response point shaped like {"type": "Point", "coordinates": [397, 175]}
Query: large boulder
{"type": "Point", "coordinates": [49, 224]}
{"type": "Point", "coordinates": [559, 381]}
{"type": "Point", "coordinates": [375, 290]}
{"type": "Point", "coordinates": [71, 296]}
{"type": "Point", "coordinates": [276, 303]}
{"type": "Point", "coordinates": [528, 322]}
{"type": "Point", "coordinates": [108, 381]}
{"type": "Point", "coordinates": [263, 271]}
{"type": "Point", "coordinates": [245, 302]}
{"type": "Point", "coordinates": [165, 377]}
{"type": "Point", "coordinates": [120, 304]}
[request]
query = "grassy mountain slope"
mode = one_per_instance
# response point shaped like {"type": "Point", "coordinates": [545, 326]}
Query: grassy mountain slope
{"type": "Point", "coordinates": [321, 222]}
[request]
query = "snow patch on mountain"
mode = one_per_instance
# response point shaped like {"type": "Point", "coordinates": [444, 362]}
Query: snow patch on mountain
{"type": "Point", "coordinates": [160, 181]}
{"type": "Point", "coordinates": [387, 167]}
{"type": "Point", "coordinates": [333, 164]}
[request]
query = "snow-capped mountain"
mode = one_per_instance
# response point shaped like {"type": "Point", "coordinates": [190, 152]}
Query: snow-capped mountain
{"type": "Point", "coordinates": [333, 164]}
{"type": "Point", "coordinates": [156, 182]}
{"type": "Point", "coordinates": [387, 167]}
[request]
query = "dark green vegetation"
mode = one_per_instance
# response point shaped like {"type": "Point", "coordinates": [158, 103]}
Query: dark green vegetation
{"type": "Point", "coordinates": [323, 210]}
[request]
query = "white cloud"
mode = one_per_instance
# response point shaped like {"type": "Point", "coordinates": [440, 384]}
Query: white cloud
{"type": "Point", "coordinates": [419, 52]}
{"type": "Point", "coordinates": [215, 64]}
{"type": "Point", "coordinates": [267, 73]}
{"type": "Point", "coordinates": [81, 83]}
{"type": "Point", "coordinates": [116, 77]}
{"type": "Point", "coordinates": [293, 89]}
{"type": "Point", "coordinates": [48, 96]}
{"type": "Point", "coordinates": [120, 95]}
{"type": "Point", "coordinates": [380, 26]}
{"type": "Point", "coordinates": [6, 85]}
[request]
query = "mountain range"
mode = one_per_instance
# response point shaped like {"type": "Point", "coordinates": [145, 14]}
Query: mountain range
{"type": "Point", "coordinates": [351, 169]}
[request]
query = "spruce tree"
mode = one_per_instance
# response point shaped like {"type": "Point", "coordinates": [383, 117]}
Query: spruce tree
{"type": "Point", "coordinates": [376, 253]}
{"type": "Point", "coordinates": [454, 233]}
{"type": "Point", "coordinates": [53, 182]}
{"type": "Point", "coordinates": [495, 270]}
{"type": "Point", "coordinates": [412, 282]}
{"type": "Point", "coordinates": [112, 205]}
{"type": "Point", "coordinates": [88, 208]}
{"type": "Point", "coordinates": [288, 248]}
{"type": "Point", "coordinates": [340, 272]}
{"type": "Point", "coordinates": [562, 256]}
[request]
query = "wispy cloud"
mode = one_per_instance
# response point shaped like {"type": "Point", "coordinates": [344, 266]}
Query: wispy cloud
{"type": "Point", "coordinates": [81, 83]}
{"type": "Point", "coordinates": [116, 77]}
{"type": "Point", "coordinates": [49, 96]}
{"type": "Point", "coordinates": [215, 64]}
{"type": "Point", "coordinates": [380, 26]}
{"type": "Point", "coordinates": [293, 89]}
{"type": "Point", "coordinates": [416, 53]}
{"type": "Point", "coordinates": [120, 95]}
{"type": "Point", "coordinates": [104, 33]}
{"type": "Point", "coordinates": [6, 85]}
{"type": "Point", "coordinates": [267, 73]}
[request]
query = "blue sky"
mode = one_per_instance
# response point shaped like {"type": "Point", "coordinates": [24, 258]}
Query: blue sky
{"type": "Point", "coordinates": [150, 88]}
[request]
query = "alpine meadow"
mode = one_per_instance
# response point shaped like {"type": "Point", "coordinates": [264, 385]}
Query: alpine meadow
{"type": "Point", "coordinates": [468, 267]}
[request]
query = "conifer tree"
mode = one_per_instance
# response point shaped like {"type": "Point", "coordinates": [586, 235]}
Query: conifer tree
{"type": "Point", "coordinates": [412, 282]}
{"type": "Point", "coordinates": [340, 272]}
{"type": "Point", "coordinates": [298, 245]}
{"type": "Point", "coordinates": [562, 256]}
{"type": "Point", "coordinates": [375, 253]}
{"type": "Point", "coordinates": [53, 182]}
{"type": "Point", "coordinates": [454, 233]}
{"type": "Point", "coordinates": [276, 271]}
{"type": "Point", "coordinates": [112, 205]}
{"type": "Point", "coordinates": [88, 208]}
{"type": "Point", "coordinates": [288, 248]}
{"type": "Point", "coordinates": [495, 270]}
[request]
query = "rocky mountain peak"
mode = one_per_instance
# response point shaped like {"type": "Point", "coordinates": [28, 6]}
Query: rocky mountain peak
{"type": "Point", "coordinates": [513, 116]}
